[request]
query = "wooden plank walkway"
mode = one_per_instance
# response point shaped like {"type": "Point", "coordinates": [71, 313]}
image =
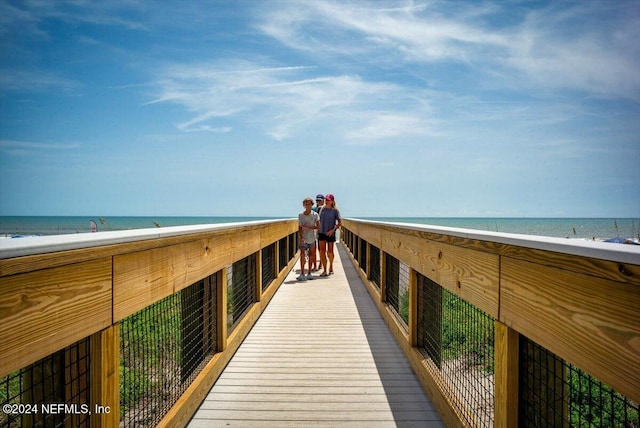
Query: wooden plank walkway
{"type": "Point", "coordinates": [320, 355]}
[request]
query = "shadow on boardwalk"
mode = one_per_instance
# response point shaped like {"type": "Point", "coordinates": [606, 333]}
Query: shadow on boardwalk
{"type": "Point", "coordinates": [408, 403]}
{"type": "Point", "coordinates": [320, 355]}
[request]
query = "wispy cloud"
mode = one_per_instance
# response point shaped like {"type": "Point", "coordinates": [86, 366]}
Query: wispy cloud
{"type": "Point", "coordinates": [557, 46]}
{"type": "Point", "coordinates": [576, 48]}
{"type": "Point", "coordinates": [19, 17]}
{"type": "Point", "coordinates": [283, 101]}
{"type": "Point", "coordinates": [17, 80]}
{"type": "Point", "coordinates": [379, 126]}
{"type": "Point", "coordinates": [13, 147]}
{"type": "Point", "coordinates": [430, 32]}
{"type": "Point", "coordinates": [189, 127]}
{"type": "Point", "coordinates": [31, 14]}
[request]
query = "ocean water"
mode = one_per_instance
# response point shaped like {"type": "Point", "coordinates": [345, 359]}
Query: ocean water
{"type": "Point", "coordinates": [581, 228]}
{"type": "Point", "coordinates": [59, 225]}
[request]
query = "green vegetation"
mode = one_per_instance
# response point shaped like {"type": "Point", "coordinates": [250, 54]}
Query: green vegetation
{"type": "Point", "coordinates": [149, 339]}
{"type": "Point", "coordinates": [592, 403]}
{"type": "Point", "coordinates": [10, 388]}
{"type": "Point", "coordinates": [466, 333]}
{"type": "Point", "coordinates": [230, 305]}
{"type": "Point", "coordinates": [404, 307]}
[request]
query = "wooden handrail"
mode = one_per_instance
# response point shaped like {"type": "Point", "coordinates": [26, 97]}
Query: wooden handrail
{"type": "Point", "coordinates": [577, 299]}
{"type": "Point", "coordinates": [57, 290]}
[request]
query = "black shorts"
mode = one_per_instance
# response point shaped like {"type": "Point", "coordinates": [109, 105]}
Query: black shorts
{"type": "Point", "coordinates": [325, 237]}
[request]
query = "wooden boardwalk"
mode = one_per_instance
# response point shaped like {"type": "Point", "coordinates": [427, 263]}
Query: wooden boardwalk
{"type": "Point", "coordinates": [320, 355]}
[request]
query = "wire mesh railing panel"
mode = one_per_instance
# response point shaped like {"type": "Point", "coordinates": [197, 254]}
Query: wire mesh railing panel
{"type": "Point", "coordinates": [268, 265]}
{"type": "Point", "coordinates": [348, 237]}
{"type": "Point", "coordinates": [162, 348]}
{"type": "Point", "coordinates": [363, 256]}
{"type": "Point", "coordinates": [356, 249]}
{"type": "Point", "coordinates": [403, 292]}
{"type": "Point", "coordinates": [293, 247]}
{"type": "Point", "coordinates": [459, 340]}
{"type": "Point", "coordinates": [282, 253]}
{"type": "Point", "coordinates": [397, 288]}
{"type": "Point", "coordinates": [241, 290]}
{"type": "Point", "coordinates": [374, 266]}
{"type": "Point", "coordinates": [53, 392]}
{"type": "Point", "coordinates": [556, 393]}
{"type": "Point", "coordinates": [392, 281]}
{"type": "Point", "coordinates": [429, 319]}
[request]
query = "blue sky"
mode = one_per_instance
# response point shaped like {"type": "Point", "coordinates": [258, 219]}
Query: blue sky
{"type": "Point", "coordinates": [399, 108]}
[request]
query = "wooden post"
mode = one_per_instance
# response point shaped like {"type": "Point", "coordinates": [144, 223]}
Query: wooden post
{"type": "Point", "coordinates": [368, 261]}
{"type": "Point", "coordinates": [413, 307]}
{"type": "Point", "coordinates": [506, 376]}
{"type": "Point", "coordinates": [221, 282]}
{"type": "Point", "coordinates": [276, 271]}
{"type": "Point", "coordinates": [105, 377]}
{"type": "Point", "coordinates": [259, 275]}
{"type": "Point", "coordinates": [383, 276]}
{"type": "Point", "coordinates": [287, 251]}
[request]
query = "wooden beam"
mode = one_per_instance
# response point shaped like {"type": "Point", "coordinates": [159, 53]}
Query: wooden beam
{"type": "Point", "coordinates": [506, 376]}
{"type": "Point", "coordinates": [591, 322]}
{"type": "Point", "coordinates": [43, 311]}
{"type": "Point", "coordinates": [269, 235]}
{"type": "Point", "coordinates": [471, 274]}
{"type": "Point", "coordinates": [565, 254]}
{"type": "Point", "coordinates": [105, 377]}
{"type": "Point", "coordinates": [142, 278]}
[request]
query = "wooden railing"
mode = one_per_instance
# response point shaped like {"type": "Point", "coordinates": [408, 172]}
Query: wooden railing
{"type": "Point", "coordinates": [66, 301]}
{"type": "Point", "coordinates": [63, 300]}
{"type": "Point", "coordinates": [576, 303]}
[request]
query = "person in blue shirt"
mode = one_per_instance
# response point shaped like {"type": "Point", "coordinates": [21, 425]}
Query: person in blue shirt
{"type": "Point", "coordinates": [330, 222]}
